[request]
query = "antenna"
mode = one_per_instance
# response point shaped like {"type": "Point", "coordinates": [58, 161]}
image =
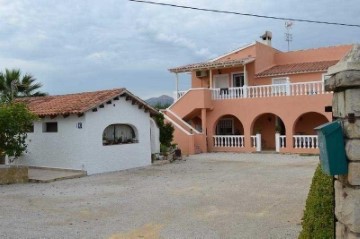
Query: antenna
{"type": "Point", "coordinates": [288, 35]}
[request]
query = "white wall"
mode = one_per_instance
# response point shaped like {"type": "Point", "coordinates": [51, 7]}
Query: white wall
{"type": "Point", "coordinates": [154, 137]}
{"type": "Point", "coordinates": [82, 148]}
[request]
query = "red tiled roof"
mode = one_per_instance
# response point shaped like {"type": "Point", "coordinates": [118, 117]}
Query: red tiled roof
{"type": "Point", "coordinates": [305, 67]}
{"type": "Point", "coordinates": [76, 103]}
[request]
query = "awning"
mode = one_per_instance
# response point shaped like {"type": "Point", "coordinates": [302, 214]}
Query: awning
{"type": "Point", "coordinates": [212, 65]}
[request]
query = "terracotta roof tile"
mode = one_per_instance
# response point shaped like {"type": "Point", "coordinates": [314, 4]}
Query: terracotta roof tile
{"type": "Point", "coordinates": [75, 103]}
{"type": "Point", "coordinates": [306, 67]}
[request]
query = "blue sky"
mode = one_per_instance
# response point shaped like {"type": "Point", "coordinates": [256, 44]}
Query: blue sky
{"type": "Point", "coordinates": [74, 46]}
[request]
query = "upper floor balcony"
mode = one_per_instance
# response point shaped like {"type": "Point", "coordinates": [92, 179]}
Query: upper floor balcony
{"type": "Point", "coordinates": [263, 91]}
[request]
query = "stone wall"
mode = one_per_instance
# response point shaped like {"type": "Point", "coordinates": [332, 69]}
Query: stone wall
{"type": "Point", "coordinates": [13, 174]}
{"type": "Point", "coordinates": [345, 82]}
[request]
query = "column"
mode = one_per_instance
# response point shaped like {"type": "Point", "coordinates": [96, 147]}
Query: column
{"type": "Point", "coordinates": [177, 86]}
{"type": "Point", "coordinates": [203, 120]}
{"type": "Point", "coordinates": [345, 82]}
{"type": "Point", "coordinates": [246, 82]}
{"type": "Point", "coordinates": [204, 133]}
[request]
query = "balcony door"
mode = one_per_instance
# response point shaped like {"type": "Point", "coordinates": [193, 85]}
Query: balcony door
{"type": "Point", "coordinates": [221, 81]}
{"type": "Point", "coordinates": [238, 79]}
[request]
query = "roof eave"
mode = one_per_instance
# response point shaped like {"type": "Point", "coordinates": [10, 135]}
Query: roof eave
{"type": "Point", "coordinates": [288, 73]}
{"type": "Point", "coordinates": [216, 66]}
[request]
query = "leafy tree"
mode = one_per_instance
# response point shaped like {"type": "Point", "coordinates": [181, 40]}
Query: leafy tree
{"type": "Point", "coordinates": [13, 85]}
{"type": "Point", "coordinates": [15, 122]}
{"type": "Point", "coordinates": [166, 130]}
{"type": "Point", "coordinates": [160, 106]}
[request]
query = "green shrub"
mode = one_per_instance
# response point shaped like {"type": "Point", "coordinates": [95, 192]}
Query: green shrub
{"type": "Point", "coordinates": [318, 220]}
{"type": "Point", "coordinates": [15, 122]}
{"type": "Point", "coordinates": [166, 130]}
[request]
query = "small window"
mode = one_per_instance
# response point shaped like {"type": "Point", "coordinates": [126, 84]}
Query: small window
{"type": "Point", "coordinates": [225, 127]}
{"type": "Point", "coordinates": [119, 134]}
{"type": "Point", "coordinates": [30, 128]}
{"type": "Point", "coordinates": [50, 127]}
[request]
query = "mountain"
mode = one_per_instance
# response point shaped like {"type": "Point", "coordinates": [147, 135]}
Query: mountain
{"type": "Point", "coordinates": [161, 100]}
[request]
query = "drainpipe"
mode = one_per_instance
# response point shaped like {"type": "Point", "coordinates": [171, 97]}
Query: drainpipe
{"type": "Point", "coordinates": [211, 79]}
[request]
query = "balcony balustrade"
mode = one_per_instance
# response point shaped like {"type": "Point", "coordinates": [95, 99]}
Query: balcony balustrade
{"type": "Point", "coordinates": [262, 91]}
{"type": "Point", "coordinates": [306, 141]}
{"type": "Point", "coordinates": [229, 141]}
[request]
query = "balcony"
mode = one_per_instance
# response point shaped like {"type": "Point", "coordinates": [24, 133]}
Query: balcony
{"type": "Point", "coordinates": [262, 91]}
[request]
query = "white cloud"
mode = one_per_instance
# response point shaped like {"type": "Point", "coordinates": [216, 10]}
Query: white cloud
{"type": "Point", "coordinates": [87, 45]}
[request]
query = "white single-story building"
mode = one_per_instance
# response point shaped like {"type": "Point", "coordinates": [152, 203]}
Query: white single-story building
{"type": "Point", "coordinates": [97, 132]}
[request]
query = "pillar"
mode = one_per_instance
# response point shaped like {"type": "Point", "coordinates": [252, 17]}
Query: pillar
{"type": "Point", "coordinates": [204, 131]}
{"type": "Point", "coordinates": [345, 82]}
{"type": "Point", "coordinates": [177, 86]}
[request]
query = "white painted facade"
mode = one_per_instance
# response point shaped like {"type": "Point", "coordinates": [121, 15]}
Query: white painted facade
{"type": "Point", "coordinates": [154, 136]}
{"type": "Point", "coordinates": [82, 148]}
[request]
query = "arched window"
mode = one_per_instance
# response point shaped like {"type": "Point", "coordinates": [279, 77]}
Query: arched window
{"type": "Point", "coordinates": [119, 134]}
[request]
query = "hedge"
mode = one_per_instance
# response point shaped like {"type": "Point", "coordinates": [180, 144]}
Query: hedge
{"type": "Point", "coordinates": [318, 219]}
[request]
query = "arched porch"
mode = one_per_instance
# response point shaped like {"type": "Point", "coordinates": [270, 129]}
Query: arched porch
{"type": "Point", "coordinates": [267, 125]}
{"type": "Point", "coordinates": [228, 132]}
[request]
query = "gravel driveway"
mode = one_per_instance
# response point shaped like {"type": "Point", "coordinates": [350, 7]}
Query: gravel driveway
{"type": "Point", "coordinates": [220, 195]}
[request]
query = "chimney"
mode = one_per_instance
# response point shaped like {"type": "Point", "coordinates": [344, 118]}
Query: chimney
{"type": "Point", "coordinates": [266, 38]}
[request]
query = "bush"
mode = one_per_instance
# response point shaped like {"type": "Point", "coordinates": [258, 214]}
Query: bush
{"type": "Point", "coordinates": [166, 130]}
{"type": "Point", "coordinates": [318, 220]}
{"type": "Point", "coordinates": [15, 122]}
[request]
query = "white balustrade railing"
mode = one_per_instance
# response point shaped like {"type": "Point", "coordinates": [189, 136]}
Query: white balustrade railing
{"type": "Point", "coordinates": [253, 141]}
{"type": "Point", "coordinates": [307, 88]}
{"type": "Point", "coordinates": [179, 94]}
{"type": "Point", "coordinates": [282, 141]}
{"type": "Point", "coordinates": [256, 142]}
{"type": "Point", "coordinates": [290, 89]}
{"type": "Point", "coordinates": [228, 93]}
{"type": "Point", "coordinates": [229, 141]}
{"type": "Point", "coordinates": [306, 141]}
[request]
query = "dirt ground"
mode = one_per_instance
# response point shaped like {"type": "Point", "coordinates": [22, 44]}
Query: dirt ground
{"type": "Point", "coordinates": [220, 195]}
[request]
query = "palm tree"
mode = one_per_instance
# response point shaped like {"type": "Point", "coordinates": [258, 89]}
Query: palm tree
{"type": "Point", "coordinates": [12, 85]}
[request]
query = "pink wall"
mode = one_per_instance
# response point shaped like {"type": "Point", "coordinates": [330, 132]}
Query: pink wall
{"type": "Point", "coordinates": [265, 57]}
{"type": "Point", "coordinates": [266, 124]}
{"type": "Point", "coordinates": [247, 52]}
{"type": "Point", "coordinates": [196, 82]}
{"type": "Point", "coordinates": [191, 101]}
{"type": "Point", "coordinates": [248, 110]}
{"type": "Point", "coordinates": [306, 123]}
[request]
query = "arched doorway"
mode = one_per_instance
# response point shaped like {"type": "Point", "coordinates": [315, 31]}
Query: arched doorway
{"type": "Point", "coordinates": [267, 125]}
{"type": "Point", "coordinates": [228, 132]}
{"type": "Point", "coordinates": [304, 135]}
{"type": "Point", "coordinates": [228, 125]}
{"type": "Point", "coordinates": [305, 123]}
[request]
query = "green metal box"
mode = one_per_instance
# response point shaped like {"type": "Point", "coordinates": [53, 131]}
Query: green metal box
{"type": "Point", "coordinates": [332, 148]}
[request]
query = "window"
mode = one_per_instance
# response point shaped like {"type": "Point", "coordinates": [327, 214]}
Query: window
{"type": "Point", "coordinates": [281, 85]}
{"type": "Point", "coordinates": [30, 128]}
{"type": "Point", "coordinates": [119, 134]}
{"type": "Point", "coordinates": [50, 127]}
{"type": "Point", "coordinates": [238, 80]}
{"type": "Point", "coordinates": [225, 127]}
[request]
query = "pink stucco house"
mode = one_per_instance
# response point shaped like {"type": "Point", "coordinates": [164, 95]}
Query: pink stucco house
{"type": "Point", "coordinates": [254, 98]}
